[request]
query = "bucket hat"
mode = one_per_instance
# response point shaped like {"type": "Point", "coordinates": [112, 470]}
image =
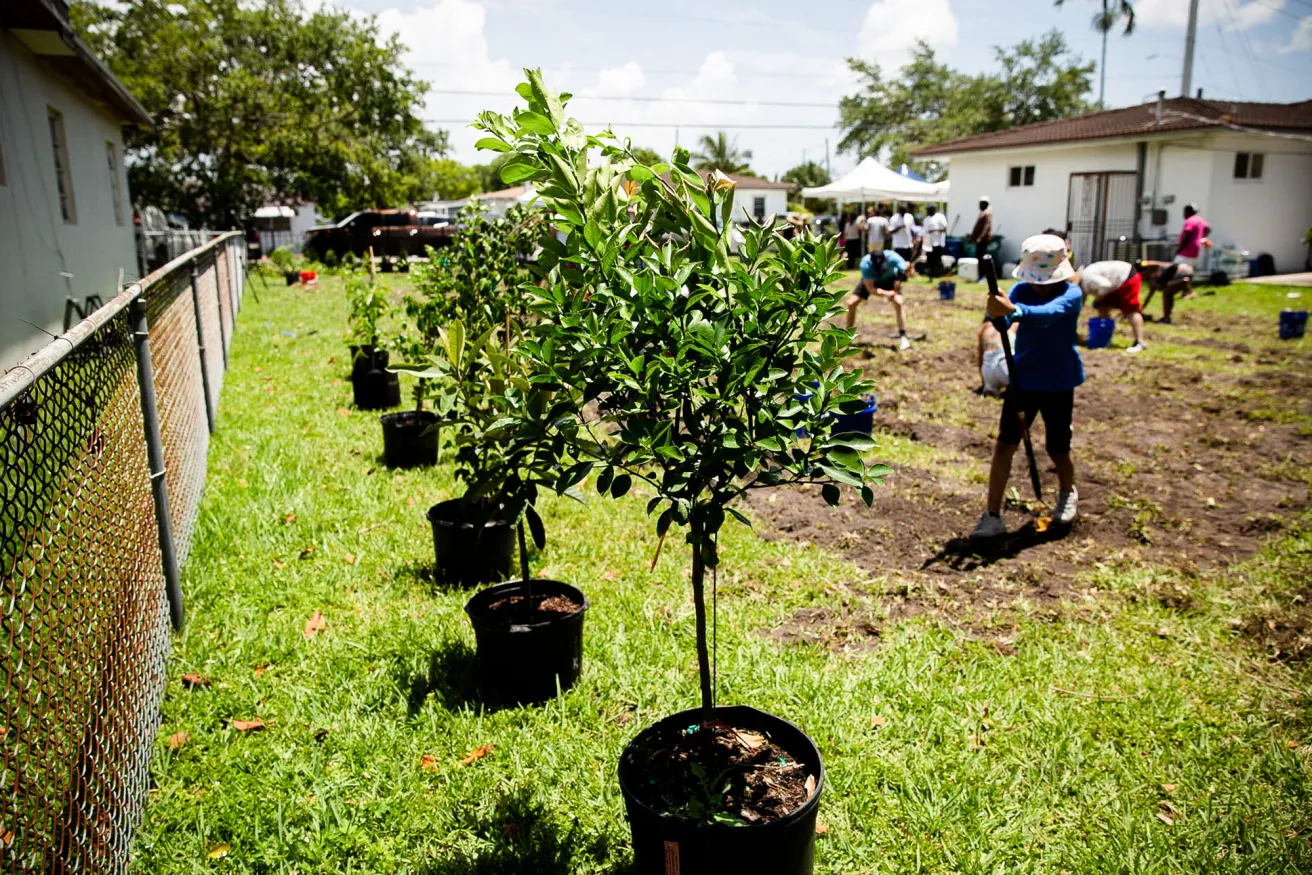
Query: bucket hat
{"type": "Point", "coordinates": [1043, 259]}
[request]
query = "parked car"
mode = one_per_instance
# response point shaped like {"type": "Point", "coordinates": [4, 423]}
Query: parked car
{"type": "Point", "coordinates": [387, 232]}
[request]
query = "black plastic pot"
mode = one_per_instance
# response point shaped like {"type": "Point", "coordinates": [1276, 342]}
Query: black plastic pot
{"type": "Point", "coordinates": [469, 550]}
{"type": "Point", "coordinates": [376, 390]}
{"type": "Point", "coordinates": [365, 359]}
{"type": "Point", "coordinates": [663, 844]}
{"type": "Point", "coordinates": [528, 662]}
{"type": "Point", "coordinates": [409, 438]}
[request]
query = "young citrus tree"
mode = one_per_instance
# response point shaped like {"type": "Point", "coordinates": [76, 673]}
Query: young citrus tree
{"type": "Point", "coordinates": [670, 361]}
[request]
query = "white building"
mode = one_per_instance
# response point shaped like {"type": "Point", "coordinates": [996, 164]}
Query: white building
{"type": "Point", "coordinates": [65, 213]}
{"type": "Point", "coordinates": [758, 198]}
{"type": "Point", "coordinates": [285, 224]}
{"type": "Point", "coordinates": [1129, 172]}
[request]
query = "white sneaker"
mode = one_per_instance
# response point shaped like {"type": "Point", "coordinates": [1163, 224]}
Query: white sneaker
{"type": "Point", "coordinates": [989, 526]}
{"type": "Point", "coordinates": [1065, 512]}
{"type": "Point", "coordinates": [904, 343]}
{"type": "Point", "coordinates": [1138, 347]}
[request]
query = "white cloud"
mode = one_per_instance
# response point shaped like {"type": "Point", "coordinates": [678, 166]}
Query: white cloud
{"type": "Point", "coordinates": [622, 81]}
{"type": "Point", "coordinates": [891, 28]}
{"type": "Point", "coordinates": [1301, 40]}
{"type": "Point", "coordinates": [1234, 14]}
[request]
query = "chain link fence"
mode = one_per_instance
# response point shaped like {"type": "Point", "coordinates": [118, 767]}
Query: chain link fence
{"type": "Point", "coordinates": [103, 440]}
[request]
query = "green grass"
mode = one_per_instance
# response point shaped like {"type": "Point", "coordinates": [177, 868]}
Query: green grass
{"type": "Point", "coordinates": [1047, 760]}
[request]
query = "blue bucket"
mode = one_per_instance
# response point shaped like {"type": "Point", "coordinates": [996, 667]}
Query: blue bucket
{"type": "Point", "coordinates": [1100, 332]}
{"type": "Point", "coordinates": [863, 422]}
{"type": "Point", "coordinates": [947, 290]}
{"type": "Point", "coordinates": [1293, 324]}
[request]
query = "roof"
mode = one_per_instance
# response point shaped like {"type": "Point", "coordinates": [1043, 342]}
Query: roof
{"type": "Point", "coordinates": [506, 194]}
{"type": "Point", "coordinates": [1178, 114]}
{"type": "Point", "coordinates": [43, 27]}
{"type": "Point", "coordinates": [743, 181]}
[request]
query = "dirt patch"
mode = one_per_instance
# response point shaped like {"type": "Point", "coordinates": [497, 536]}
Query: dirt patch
{"type": "Point", "coordinates": [1176, 468]}
{"type": "Point", "coordinates": [518, 608]}
{"type": "Point", "coordinates": [1285, 634]}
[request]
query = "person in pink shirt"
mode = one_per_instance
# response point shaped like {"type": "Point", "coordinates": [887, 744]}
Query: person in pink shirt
{"type": "Point", "coordinates": [1193, 237]}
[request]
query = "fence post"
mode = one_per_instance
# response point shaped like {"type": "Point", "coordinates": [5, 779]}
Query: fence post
{"type": "Point", "coordinates": [232, 282]}
{"type": "Point", "coordinates": [200, 341]}
{"type": "Point", "coordinates": [155, 456]}
{"type": "Point", "coordinates": [218, 300]}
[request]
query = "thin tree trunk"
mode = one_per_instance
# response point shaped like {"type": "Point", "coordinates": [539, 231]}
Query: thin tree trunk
{"type": "Point", "coordinates": [523, 564]}
{"type": "Point", "coordinates": [699, 604]}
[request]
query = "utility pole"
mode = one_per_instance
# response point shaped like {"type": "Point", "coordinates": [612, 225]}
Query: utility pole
{"type": "Point", "coordinates": [1186, 80]}
{"type": "Point", "coordinates": [827, 171]}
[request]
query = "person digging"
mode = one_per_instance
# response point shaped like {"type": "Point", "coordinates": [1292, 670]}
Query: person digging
{"type": "Point", "coordinates": [1047, 368]}
{"type": "Point", "coordinates": [1171, 279]}
{"type": "Point", "coordinates": [882, 273]}
{"type": "Point", "coordinates": [1116, 285]}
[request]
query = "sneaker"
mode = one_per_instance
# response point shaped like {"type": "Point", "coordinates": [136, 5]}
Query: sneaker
{"type": "Point", "coordinates": [904, 343]}
{"type": "Point", "coordinates": [990, 525]}
{"type": "Point", "coordinates": [1138, 347]}
{"type": "Point", "coordinates": [1065, 512]}
{"type": "Point", "coordinates": [1165, 320]}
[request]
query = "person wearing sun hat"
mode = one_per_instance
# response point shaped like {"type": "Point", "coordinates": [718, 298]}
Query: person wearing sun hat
{"type": "Point", "coordinates": [1045, 307]}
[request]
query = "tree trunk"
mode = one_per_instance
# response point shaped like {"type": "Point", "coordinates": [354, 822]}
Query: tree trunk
{"type": "Point", "coordinates": [523, 564]}
{"type": "Point", "coordinates": [699, 604]}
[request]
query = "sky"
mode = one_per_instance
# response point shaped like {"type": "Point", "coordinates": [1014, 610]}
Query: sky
{"type": "Point", "coordinates": [770, 72]}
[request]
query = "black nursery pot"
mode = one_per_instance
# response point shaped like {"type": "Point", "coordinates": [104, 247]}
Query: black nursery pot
{"type": "Point", "coordinates": [527, 662]}
{"type": "Point", "coordinates": [365, 359]}
{"type": "Point", "coordinates": [469, 550]}
{"type": "Point", "coordinates": [663, 844]}
{"type": "Point", "coordinates": [373, 387]}
{"type": "Point", "coordinates": [409, 438]}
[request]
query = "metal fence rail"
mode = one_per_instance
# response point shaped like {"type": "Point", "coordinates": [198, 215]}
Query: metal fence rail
{"type": "Point", "coordinates": [103, 437]}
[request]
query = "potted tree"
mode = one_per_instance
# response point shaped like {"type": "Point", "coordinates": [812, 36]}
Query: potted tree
{"type": "Point", "coordinates": [672, 363]}
{"type": "Point", "coordinates": [410, 437]}
{"type": "Point", "coordinates": [374, 387]}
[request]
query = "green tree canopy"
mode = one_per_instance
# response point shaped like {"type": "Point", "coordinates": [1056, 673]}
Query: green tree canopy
{"type": "Point", "coordinates": [721, 153]}
{"type": "Point", "coordinates": [647, 156]}
{"type": "Point", "coordinates": [453, 180]}
{"type": "Point", "coordinates": [252, 100]}
{"type": "Point", "coordinates": [807, 174]}
{"type": "Point", "coordinates": [928, 102]}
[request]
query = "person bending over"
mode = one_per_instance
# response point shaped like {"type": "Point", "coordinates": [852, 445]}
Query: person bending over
{"type": "Point", "coordinates": [1046, 308]}
{"type": "Point", "coordinates": [1116, 284]}
{"type": "Point", "coordinates": [1171, 279]}
{"type": "Point", "coordinates": [882, 273]}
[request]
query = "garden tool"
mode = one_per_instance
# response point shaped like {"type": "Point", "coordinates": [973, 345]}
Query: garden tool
{"type": "Point", "coordinates": [989, 271]}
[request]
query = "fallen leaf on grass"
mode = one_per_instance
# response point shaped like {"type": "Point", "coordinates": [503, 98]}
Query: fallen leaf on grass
{"type": "Point", "coordinates": [178, 739]}
{"type": "Point", "coordinates": [218, 852]}
{"type": "Point", "coordinates": [609, 575]}
{"type": "Point", "coordinates": [509, 830]}
{"type": "Point", "coordinates": [821, 828]}
{"type": "Point", "coordinates": [315, 624]}
{"type": "Point", "coordinates": [320, 734]}
{"type": "Point", "coordinates": [261, 669]}
{"type": "Point", "coordinates": [307, 552]}
{"type": "Point", "coordinates": [975, 743]}
{"type": "Point", "coordinates": [279, 565]}
{"type": "Point", "coordinates": [428, 762]}
{"type": "Point", "coordinates": [333, 360]}
{"type": "Point", "coordinates": [409, 502]}
{"type": "Point", "coordinates": [1169, 788]}
{"type": "Point", "coordinates": [349, 558]}
{"type": "Point", "coordinates": [259, 370]}
{"type": "Point", "coordinates": [192, 681]}
{"type": "Point", "coordinates": [476, 754]}
{"type": "Point", "coordinates": [1165, 818]}
{"type": "Point", "coordinates": [748, 739]}
{"type": "Point", "coordinates": [1291, 744]}
{"type": "Point", "coordinates": [289, 519]}
{"type": "Point", "coordinates": [342, 411]}
{"type": "Point", "coordinates": [268, 389]}
{"type": "Point", "coordinates": [877, 721]}
{"type": "Point", "coordinates": [1041, 524]}
{"type": "Point", "coordinates": [623, 719]}
{"type": "Point", "coordinates": [255, 724]}
{"type": "Point", "coordinates": [241, 481]}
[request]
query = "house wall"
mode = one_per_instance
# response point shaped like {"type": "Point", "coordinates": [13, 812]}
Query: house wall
{"type": "Point", "coordinates": [744, 202]}
{"type": "Point", "coordinates": [46, 259]}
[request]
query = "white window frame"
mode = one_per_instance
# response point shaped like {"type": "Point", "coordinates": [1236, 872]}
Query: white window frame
{"type": "Point", "coordinates": [1026, 172]}
{"type": "Point", "coordinates": [63, 172]}
{"type": "Point", "coordinates": [1248, 167]}
{"type": "Point", "coordinates": [758, 206]}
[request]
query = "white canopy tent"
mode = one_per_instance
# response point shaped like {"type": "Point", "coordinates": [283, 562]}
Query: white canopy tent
{"type": "Point", "coordinates": [872, 181]}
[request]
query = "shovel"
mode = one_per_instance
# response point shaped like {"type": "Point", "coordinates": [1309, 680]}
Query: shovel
{"type": "Point", "coordinates": [988, 270]}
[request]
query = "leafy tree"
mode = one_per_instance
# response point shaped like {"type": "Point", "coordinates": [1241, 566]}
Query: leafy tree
{"type": "Point", "coordinates": [929, 102]}
{"type": "Point", "coordinates": [721, 153]}
{"type": "Point", "coordinates": [808, 174]}
{"type": "Point", "coordinates": [452, 180]}
{"type": "Point", "coordinates": [252, 100]}
{"type": "Point", "coordinates": [1113, 12]}
{"type": "Point", "coordinates": [489, 175]}
{"type": "Point", "coordinates": [647, 156]}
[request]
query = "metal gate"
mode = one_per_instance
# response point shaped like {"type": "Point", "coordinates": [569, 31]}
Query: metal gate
{"type": "Point", "coordinates": [1099, 211]}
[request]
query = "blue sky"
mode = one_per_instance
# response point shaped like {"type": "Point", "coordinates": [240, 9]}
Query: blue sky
{"type": "Point", "coordinates": [687, 67]}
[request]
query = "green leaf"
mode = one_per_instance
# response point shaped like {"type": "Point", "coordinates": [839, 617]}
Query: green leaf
{"type": "Point", "coordinates": [492, 144]}
{"type": "Point", "coordinates": [841, 476]}
{"type": "Point", "coordinates": [604, 479]}
{"type": "Point", "coordinates": [640, 173]}
{"type": "Point", "coordinates": [455, 343]}
{"type": "Point", "coordinates": [739, 517]}
{"type": "Point", "coordinates": [663, 522]}
{"type": "Point", "coordinates": [535, 526]}
{"type": "Point", "coordinates": [852, 439]}
{"type": "Point", "coordinates": [846, 458]}
{"type": "Point", "coordinates": [518, 171]}
{"type": "Point", "coordinates": [538, 124]}
{"type": "Point", "coordinates": [621, 485]}
{"type": "Point", "coordinates": [831, 494]}
{"type": "Point", "coordinates": [547, 99]}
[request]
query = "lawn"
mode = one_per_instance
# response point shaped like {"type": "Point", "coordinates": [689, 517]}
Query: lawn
{"type": "Point", "coordinates": [1131, 698]}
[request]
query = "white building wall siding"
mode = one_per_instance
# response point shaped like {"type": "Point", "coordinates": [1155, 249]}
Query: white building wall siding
{"type": "Point", "coordinates": [45, 259]}
{"type": "Point", "coordinates": [744, 202]}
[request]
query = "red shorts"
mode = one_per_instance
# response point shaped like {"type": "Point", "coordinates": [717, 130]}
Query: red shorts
{"type": "Point", "coordinates": [1126, 297]}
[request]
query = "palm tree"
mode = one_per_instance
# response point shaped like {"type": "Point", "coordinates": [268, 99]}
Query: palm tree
{"type": "Point", "coordinates": [1104, 22]}
{"type": "Point", "coordinates": [721, 153]}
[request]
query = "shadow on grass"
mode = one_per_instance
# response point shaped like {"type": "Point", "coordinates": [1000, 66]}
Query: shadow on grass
{"type": "Point", "coordinates": [967, 554]}
{"type": "Point", "coordinates": [520, 837]}
{"type": "Point", "coordinates": [451, 679]}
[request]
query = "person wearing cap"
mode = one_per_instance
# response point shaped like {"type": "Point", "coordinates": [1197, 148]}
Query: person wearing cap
{"type": "Point", "coordinates": [936, 240]}
{"type": "Point", "coordinates": [1170, 279]}
{"type": "Point", "coordinates": [1116, 284]}
{"type": "Point", "coordinates": [982, 234]}
{"type": "Point", "coordinates": [1046, 308]}
{"type": "Point", "coordinates": [1193, 237]}
{"type": "Point", "coordinates": [882, 273]}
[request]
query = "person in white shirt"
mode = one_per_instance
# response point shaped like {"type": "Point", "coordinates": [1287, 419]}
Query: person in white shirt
{"type": "Point", "coordinates": [876, 230]}
{"type": "Point", "coordinates": [936, 239]}
{"type": "Point", "coordinates": [852, 238]}
{"type": "Point", "coordinates": [903, 228]}
{"type": "Point", "coordinates": [1116, 284]}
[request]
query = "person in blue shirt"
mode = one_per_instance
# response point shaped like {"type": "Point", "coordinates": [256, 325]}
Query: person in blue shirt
{"type": "Point", "coordinates": [882, 273]}
{"type": "Point", "coordinates": [1046, 310]}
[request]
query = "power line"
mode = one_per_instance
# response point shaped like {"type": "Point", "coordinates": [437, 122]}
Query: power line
{"type": "Point", "coordinates": [832, 105]}
{"type": "Point", "coordinates": [693, 125]}
{"type": "Point", "coordinates": [755, 74]}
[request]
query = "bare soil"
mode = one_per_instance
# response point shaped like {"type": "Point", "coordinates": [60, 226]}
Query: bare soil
{"type": "Point", "coordinates": [518, 608]}
{"type": "Point", "coordinates": [1177, 467]}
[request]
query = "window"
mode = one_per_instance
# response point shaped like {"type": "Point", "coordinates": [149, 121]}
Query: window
{"type": "Point", "coordinates": [63, 178]}
{"type": "Point", "coordinates": [758, 207]}
{"type": "Point", "coordinates": [115, 181]}
{"type": "Point", "coordinates": [1248, 165]}
{"type": "Point", "coordinates": [1020, 176]}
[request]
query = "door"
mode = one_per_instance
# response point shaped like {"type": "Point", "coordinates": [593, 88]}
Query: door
{"type": "Point", "coordinates": [1099, 211]}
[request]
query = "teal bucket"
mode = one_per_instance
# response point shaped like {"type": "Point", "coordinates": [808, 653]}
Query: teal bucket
{"type": "Point", "coordinates": [1100, 332]}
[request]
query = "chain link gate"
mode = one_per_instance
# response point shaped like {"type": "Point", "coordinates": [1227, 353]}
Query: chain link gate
{"type": "Point", "coordinates": [103, 439]}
